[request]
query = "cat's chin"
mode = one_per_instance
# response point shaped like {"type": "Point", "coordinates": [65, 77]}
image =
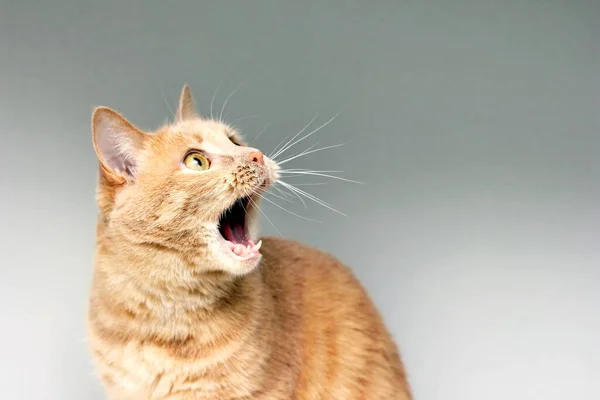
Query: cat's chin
{"type": "Point", "coordinates": [224, 252]}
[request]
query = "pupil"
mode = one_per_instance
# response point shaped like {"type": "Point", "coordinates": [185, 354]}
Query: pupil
{"type": "Point", "coordinates": [198, 161]}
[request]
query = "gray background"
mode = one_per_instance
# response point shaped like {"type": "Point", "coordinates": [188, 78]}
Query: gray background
{"type": "Point", "coordinates": [475, 124]}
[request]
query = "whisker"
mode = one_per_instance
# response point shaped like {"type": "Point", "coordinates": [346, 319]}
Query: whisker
{"type": "Point", "coordinates": [260, 211]}
{"type": "Point", "coordinates": [310, 184]}
{"type": "Point", "coordinates": [295, 194]}
{"type": "Point", "coordinates": [166, 102]}
{"type": "Point", "coordinates": [212, 101]}
{"type": "Point", "coordinates": [310, 148]}
{"type": "Point", "coordinates": [293, 176]}
{"type": "Point", "coordinates": [306, 152]}
{"type": "Point", "coordinates": [325, 175]}
{"type": "Point", "coordinates": [295, 189]}
{"type": "Point", "coordinates": [284, 148]}
{"type": "Point", "coordinates": [227, 100]}
{"type": "Point", "coordinates": [279, 197]}
{"type": "Point", "coordinates": [284, 194]}
{"type": "Point", "coordinates": [276, 147]}
{"type": "Point", "coordinates": [301, 170]}
{"type": "Point", "coordinates": [261, 132]}
{"type": "Point", "coordinates": [319, 201]}
{"type": "Point", "coordinates": [284, 209]}
{"type": "Point", "coordinates": [311, 133]}
{"type": "Point", "coordinates": [311, 197]}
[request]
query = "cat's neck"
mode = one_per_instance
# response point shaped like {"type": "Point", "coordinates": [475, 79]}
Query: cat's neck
{"type": "Point", "coordinates": [157, 305]}
{"type": "Point", "coordinates": [219, 326]}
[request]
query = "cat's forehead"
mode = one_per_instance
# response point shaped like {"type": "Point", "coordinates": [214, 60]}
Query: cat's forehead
{"type": "Point", "coordinates": [208, 135]}
{"type": "Point", "coordinates": [200, 129]}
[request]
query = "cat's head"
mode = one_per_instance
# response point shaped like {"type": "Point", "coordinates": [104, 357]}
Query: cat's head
{"type": "Point", "coordinates": [191, 188]}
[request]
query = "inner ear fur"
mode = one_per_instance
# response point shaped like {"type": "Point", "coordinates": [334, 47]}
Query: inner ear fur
{"type": "Point", "coordinates": [117, 142]}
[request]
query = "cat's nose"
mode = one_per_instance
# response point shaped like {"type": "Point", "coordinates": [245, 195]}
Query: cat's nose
{"type": "Point", "coordinates": [257, 157]}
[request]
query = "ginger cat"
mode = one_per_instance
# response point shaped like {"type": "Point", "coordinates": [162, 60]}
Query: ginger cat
{"type": "Point", "coordinates": [186, 304]}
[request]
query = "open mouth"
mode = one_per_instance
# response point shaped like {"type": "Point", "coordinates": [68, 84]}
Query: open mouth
{"type": "Point", "coordinates": [233, 226]}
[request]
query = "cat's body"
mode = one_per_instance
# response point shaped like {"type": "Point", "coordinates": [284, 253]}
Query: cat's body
{"type": "Point", "coordinates": [174, 316]}
{"type": "Point", "coordinates": [297, 327]}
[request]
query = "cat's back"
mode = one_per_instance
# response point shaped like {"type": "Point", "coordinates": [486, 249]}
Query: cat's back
{"type": "Point", "coordinates": [344, 347]}
{"type": "Point", "coordinates": [299, 271]}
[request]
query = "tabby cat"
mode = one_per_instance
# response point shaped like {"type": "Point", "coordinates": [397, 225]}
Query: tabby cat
{"type": "Point", "coordinates": [186, 303]}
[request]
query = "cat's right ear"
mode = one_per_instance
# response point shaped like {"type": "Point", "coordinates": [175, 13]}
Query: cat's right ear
{"type": "Point", "coordinates": [117, 142]}
{"type": "Point", "coordinates": [186, 108]}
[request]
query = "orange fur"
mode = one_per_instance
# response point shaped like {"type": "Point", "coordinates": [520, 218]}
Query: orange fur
{"type": "Point", "coordinates": [174, 316]}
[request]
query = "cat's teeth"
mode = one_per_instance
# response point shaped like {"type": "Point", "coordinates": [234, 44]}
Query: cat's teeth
{"type": "Point", "coordinates": [245, 251]}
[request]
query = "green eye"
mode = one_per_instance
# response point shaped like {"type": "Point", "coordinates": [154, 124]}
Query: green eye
{"type": "Point", "coordinates": [196, 161]}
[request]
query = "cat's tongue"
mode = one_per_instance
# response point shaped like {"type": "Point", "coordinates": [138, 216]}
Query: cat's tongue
{"type": "Point", "coordinates": [245, 251]}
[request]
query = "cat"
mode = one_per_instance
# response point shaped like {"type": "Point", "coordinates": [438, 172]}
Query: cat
{"type": "Point", "coordinates": [186, 303]}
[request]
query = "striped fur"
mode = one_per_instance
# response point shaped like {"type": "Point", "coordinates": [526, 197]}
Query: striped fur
{"type": "Point", "coordinates": [171, 318]}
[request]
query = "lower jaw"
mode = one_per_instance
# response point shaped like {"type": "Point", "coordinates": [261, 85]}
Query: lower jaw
{"type": "Point", "coordinates": [242, 252]}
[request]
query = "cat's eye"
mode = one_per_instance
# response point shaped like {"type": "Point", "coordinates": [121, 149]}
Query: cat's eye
{"type": "Point", "coordinates": [196, 161]}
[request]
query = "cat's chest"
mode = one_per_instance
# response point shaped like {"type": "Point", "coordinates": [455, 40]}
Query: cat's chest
{"type": "Point", "coordinates": [135, 370]}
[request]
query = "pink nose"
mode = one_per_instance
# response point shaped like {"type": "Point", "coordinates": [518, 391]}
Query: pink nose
{"type": "Point", "coordinates": [257, 157]}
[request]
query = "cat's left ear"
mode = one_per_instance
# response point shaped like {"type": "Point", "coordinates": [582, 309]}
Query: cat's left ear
{"type": "Point", "coordinates": [117, 142]}
{"type": "Point", "coordinates": [186, 109]}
